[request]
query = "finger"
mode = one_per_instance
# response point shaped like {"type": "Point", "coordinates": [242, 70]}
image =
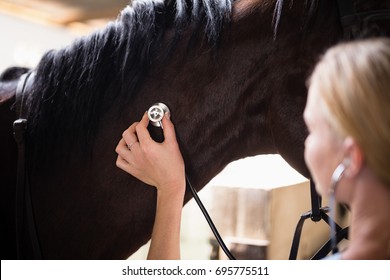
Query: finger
{"type": "Point", "coordinates": [142, 129]}
{"type": "Point", "coordinates": [123, 151]}
{"type": "Point", "coordinates": [169, 129]}
{"type": "Point", "coordinates": [131, 128]}
{"type": "Point", "coordinates": [130, 136]}
{"type": "Point", "coordinates": [127, 167]}
{"type": "Point", "coordinates": [122, 164]}
{"type": "Point", "coordinates": [119, 147]}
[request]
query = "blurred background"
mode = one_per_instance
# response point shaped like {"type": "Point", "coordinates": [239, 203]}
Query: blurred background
{"type": "Point", "coordinates": [255, 202]}
{"type": "Point", "coordinates": [28, 28]}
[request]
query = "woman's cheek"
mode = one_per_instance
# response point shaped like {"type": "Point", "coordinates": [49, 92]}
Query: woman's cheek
{"type": "Point", "coordinates": [310, 159]}
{"type": "Point", "coordinates": [307, 153]}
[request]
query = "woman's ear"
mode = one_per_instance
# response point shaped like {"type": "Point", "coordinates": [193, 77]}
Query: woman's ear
{"type": "Point", "coordinates": [353, 158]}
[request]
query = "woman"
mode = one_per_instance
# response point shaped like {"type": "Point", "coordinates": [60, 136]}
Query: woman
{"type": "Point", "coordinates": [347, 151]}
{"type": "Point", "coordinates": [348, 117]}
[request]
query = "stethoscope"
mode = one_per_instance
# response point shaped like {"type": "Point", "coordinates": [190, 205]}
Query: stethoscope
{"type": "Point", "coordinates": [336, 177]}
{"type": "Point", "coordinates": [155, 114]}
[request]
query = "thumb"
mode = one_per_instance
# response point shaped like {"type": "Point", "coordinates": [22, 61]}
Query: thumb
{"type": "Point", "coordinates": [169, 128]}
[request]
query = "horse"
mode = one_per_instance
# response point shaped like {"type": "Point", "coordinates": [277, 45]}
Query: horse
{"type": "Point", "coordinates": [232, 73]}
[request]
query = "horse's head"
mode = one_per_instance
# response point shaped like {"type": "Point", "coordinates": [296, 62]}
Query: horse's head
{"type": "Point", "coordinates": [8, 80]}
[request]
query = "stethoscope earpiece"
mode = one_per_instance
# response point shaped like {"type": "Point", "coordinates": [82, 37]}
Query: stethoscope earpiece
{"type": "Point", "coordinates": [336, 177]}
{"type": "Point", "coordinates": [337, 174]}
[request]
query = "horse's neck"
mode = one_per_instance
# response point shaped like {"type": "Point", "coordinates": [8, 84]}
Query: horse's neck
{"type": "Point", "coordinates": [229, 103]}
{"type": "Point", "coordinates": [216, 109]}
{"type": "Point", "coordinates": [236, 100]}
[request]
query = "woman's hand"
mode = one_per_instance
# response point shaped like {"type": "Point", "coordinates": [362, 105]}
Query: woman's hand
{"type": "Point", "coordinates": [158, 164]}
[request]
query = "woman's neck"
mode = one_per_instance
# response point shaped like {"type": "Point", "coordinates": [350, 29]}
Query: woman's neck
{"type": "Point", "coordinates": [370, 221]}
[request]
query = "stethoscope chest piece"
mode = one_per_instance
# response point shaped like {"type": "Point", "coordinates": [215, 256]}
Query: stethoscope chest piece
{"type": "Point", "coordinates": [156, 113]}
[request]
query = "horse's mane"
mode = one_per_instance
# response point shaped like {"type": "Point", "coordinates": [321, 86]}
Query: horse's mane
{"type": "Point", "coordinates": [310, 5]}
{"type": "Point", "coordinates": [75, 85]}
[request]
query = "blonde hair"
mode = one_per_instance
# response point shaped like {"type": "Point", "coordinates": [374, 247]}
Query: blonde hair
{"type": "Point", "coordinates": [353, 81]}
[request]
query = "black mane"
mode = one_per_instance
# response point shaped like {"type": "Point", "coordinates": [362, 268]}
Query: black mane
{"type": "Point", "coordinates": [75, 85]}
